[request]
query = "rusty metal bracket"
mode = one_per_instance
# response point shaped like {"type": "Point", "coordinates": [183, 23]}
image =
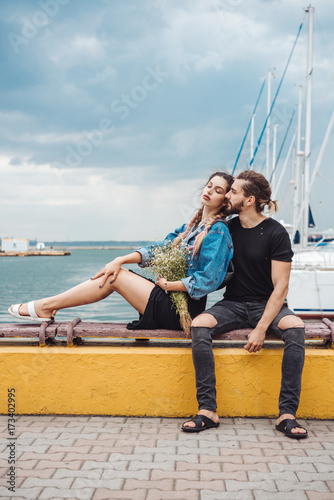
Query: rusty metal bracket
{"type": "Point", "coordinates": [330, 325]}
{"type": "Point", "coordinates": [41, 334]}
{"type": "Point", "coordinates": [70, 331]}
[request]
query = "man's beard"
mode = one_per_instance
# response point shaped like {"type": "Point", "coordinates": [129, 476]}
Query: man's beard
{"type": "Point", "coordinates": [234, 209]}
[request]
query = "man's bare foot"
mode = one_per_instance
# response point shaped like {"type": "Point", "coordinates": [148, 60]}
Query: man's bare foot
{"type": "Point", "coordinates": [296, 430]}
{"type": "Point", "coordinates": [210, 414]}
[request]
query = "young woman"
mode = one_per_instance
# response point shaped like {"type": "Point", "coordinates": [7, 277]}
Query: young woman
{"type": "Point", "coordinates": [210, 245]}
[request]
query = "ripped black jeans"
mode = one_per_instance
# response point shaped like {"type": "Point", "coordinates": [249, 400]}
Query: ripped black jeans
{"type": "Point", "coordinates": [232, 315]}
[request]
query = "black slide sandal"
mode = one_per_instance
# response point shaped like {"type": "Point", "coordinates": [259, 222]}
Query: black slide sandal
{"type": "Point", "coordinates": [286, 427]}
{"type": "Point", "coordinates": [199, 420]}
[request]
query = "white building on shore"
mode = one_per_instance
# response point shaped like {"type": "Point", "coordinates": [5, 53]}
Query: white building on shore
{"type": "Point", "coordinates": [14, 244]}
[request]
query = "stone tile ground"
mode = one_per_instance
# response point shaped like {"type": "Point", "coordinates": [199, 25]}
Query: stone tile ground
{"type": "Point", "coordinates": [106, 458]}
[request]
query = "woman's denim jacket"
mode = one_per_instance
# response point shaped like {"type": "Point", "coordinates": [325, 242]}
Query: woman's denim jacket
{"type": "Point", "coordinates": [207, 268]}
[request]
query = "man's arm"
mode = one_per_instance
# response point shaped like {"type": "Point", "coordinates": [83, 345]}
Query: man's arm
{"type": "Point", "coordinates": [280, 275]}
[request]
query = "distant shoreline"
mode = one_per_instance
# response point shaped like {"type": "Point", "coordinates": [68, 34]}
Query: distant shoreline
{"type": "Point", "coordinates": [36, 253]}
{"type": "Point", "coordinates": [61, 250]}
{"type": "Point", "coordinates": [102, 247]}
{"type": "Point", "coordinates": [93, 245]}
{"type": "Point", "coordinates": [53, 247]}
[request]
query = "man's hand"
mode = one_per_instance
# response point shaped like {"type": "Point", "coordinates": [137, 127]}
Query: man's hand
{"type": "Point", "coordinates": [255, 340]}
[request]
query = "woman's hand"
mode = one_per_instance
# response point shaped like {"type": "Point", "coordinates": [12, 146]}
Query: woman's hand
{"type": "Point", "coordinates": [110, 270]}
{"type": "Point", "coordinates": [163, 283]}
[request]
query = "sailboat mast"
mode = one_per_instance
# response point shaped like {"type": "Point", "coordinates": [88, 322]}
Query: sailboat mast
{"type": "Point", "coordinates": [252, 138]}
{"type": "Point", "coordinates": [268, 124]}
{"type": "Point", "coordinates": [297, 177]}
{"type": "Point", "coordinates": [308, 105]}
{"type": "Point", "coordinates": [273, 176]}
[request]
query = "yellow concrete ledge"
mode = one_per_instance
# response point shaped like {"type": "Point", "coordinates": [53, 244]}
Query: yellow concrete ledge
{"type": "Point", "coordinates": [155, 381]}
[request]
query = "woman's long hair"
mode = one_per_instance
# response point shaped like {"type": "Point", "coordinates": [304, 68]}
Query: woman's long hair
{"type": "Point", "coordinates": [209, 222]}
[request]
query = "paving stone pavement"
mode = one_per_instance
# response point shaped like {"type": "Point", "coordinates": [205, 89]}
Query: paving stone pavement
{"type": "Point", "coordinates": [106, 458]}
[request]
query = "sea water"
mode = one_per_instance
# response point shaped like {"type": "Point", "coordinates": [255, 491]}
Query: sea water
{"type": "Point", "coordinates": [30, 278]}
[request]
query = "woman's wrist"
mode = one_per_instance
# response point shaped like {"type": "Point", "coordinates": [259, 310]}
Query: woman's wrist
{"type": "Point", "coordinates": [132, 258]}
{"type": "Point", "coordinates": [120, 260]}
{"type": "Point", "coordinates": [174, 286]}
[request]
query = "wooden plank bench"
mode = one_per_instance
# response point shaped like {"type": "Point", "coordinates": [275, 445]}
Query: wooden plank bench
{"type": "Point", "coordinates": [74, 331]}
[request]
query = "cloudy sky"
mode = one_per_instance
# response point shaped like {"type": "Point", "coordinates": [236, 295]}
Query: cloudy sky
{"type": "Point", "coordinates": [113, 113]}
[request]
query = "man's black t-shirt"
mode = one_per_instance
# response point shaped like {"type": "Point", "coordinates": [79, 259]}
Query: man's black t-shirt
{"type": "Point", "coordinates": [254, 249]}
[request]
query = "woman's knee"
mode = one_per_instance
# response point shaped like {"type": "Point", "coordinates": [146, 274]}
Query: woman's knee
{"type": "Point", "coordinates": [119, 281]}
{"type": "Point", "coordinates": [204, 320]}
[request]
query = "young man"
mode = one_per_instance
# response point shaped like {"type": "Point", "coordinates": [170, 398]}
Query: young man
{"type": "Point", "coordinates": [253, 298]}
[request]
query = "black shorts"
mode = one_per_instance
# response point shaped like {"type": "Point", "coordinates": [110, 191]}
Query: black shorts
{"type": "Point", "coordinates": [161, 313]}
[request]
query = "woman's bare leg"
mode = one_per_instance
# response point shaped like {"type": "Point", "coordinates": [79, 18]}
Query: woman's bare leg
{"type": "Point", "coordinates": [135, 289]}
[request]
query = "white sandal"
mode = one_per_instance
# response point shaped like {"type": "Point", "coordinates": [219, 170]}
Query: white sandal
{"type": "Point", "coordinates": [31, 316]}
